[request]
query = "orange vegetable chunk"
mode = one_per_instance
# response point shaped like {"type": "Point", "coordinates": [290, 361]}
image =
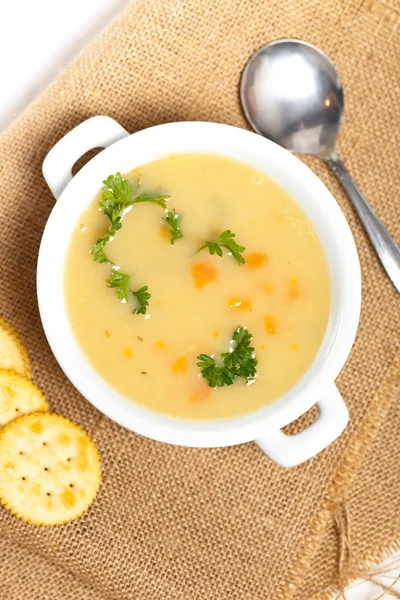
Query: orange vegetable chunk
{"type": "Point", "coordinates": [203, 273]}
{"type": "Point", "coordinates": [270, 326]}
{"type": "Point", "coordinates": [294, 291]}
{"type": "Point", "coordinates": [180, 365]}
{"type": "Point", "coordinates": [267, 287]}
{"type": "Point", "coordinates": [201, 393]}
{"type": "Point", "coordinates": [239, 303]}
{"type": "Point", "coordinates": [164, 232]}
{"type": "Point", "coordinates": [255, 260]}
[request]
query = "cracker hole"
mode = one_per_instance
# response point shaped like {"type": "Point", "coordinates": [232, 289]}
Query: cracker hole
{"type": "Point", "coordinates": [23, 478]}
{"type": "Point", "coordinates": [46, 469]}
{"type": "Point", "coordinates": [48, 494]}
{"type": "Point", "coordinates": [69, 459]}
{"type": "Point", "coordinates": [44, 443]}
{"type": "Point", "coordinates": [21, 453]}
{"type": "Point", "coordinates": [71, 485]}
{"type": "Point", "coordinates": [17, 410]}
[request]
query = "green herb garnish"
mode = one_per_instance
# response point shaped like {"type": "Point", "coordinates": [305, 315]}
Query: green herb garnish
{"type": "Point", "coordinates": [172, 221]}
{"type": "Point", "coordinates": [225, 240]}
{"type": "Point", "coordinates": [120, 281]}
{"type": "Point", "coordinates": [118, 195]}
{"type": "Point", "coordinates": [215, 375]}
{"type": "Point", "coordinates": [151, 197]}
{"type": "Point", "coordinates": [240, 361]}
{"type": "Point", "coordinates": [98, 252]}
{"type": "Point", "coordinates": [143, 297]}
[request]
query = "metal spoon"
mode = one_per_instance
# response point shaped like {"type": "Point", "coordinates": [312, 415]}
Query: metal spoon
{"type": "Point", "coordinates": [292, 94]}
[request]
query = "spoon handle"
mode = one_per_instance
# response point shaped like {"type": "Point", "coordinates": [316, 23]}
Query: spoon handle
{"type": "Point", "coordinates": [385, 246]}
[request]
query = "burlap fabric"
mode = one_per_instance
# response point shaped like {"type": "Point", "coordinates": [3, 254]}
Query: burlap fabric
{"type": "Point", "coordinates": [189, 524]}
{"type": "Point", "coordinates": [366, 526]}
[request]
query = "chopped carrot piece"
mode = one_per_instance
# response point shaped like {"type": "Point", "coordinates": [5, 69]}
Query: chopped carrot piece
{"type": "Point", "coordinates": [164, 232]}
{"type": "Point", "coordinates": [294, 291]}
{"type": "Point", "coordinates": [203, 392]}
{"type": "Point", "coordinates": [270, 325]}
{"type": "Point", "coordinates": [239, 303]}
{"type": "Point", "coordinates": [160, 345]}
{"type": "Point", "coordinates": [203, 273]}
{"type": "Point", "coordinates": [256, 260]}
{"type": "Point", "coordinates": [267, 287]}
{"type": "Point", "coordinates": [128, 352]}
{"type": "Point", "coordinates": [215, 333]}
{"type": "Point", "coordinates": [180, 365]}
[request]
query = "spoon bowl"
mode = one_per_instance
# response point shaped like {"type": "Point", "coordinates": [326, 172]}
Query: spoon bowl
{"type": "Point", "coordinates": [292, 94]}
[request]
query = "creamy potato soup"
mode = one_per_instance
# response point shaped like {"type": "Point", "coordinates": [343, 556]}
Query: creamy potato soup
{"type": "Point", "coordinates": [220, 322]}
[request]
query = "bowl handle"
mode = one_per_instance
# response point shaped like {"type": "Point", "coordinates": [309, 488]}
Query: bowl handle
{"type": "Point", "coordinates": [96, 132]}
{"type": "Point", "coordinates": [291, 450]}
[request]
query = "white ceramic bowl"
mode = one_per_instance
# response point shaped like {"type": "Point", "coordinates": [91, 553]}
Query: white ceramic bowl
{"type": "Point", "coordinates": [124, 152]}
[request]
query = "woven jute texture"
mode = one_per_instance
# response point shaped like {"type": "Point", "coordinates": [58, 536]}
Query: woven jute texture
{"type": "Point", "coordinates": [190, 524]}
{"type": "Point", "coordinates": [366, 527]}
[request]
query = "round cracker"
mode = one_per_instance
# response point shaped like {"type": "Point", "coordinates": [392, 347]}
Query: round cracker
{"type": "Point", "coordinates": [13, 354]}
{"type": "Point", "coordinates": [50, 469]}
{"type": "Point", "coordinates": [18, 396]}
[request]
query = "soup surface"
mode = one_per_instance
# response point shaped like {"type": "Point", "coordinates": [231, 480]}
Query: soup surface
{"type": "Point", "coordinates": [281, 295]}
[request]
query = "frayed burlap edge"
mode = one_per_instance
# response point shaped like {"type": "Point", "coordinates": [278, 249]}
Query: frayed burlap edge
{"type": "Point", "coordinates": [379, 555]}
{"type": "Point", "coordinates": [341, 482]}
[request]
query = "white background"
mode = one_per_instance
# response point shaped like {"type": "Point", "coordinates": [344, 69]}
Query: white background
{"type": "Point", "coordinates": [38, 39]}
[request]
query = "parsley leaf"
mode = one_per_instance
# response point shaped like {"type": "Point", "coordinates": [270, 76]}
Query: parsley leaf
{"type": "Point", "coordinates": [225, 240]}
{"type": "Point", "coordinates": [216, 375]}
{"type": "Point", "coordinates": [151, 197]}
{"type": "Point", "coordinates": [143, 297]}
{"type": "Point", "coordinates": [240, 361]}
{"type": "Point", "coordinates": [98, 250]}
{"type": "Point", "coordinates": [172, 221]}
{"type": "Point", "coordinates": [120, 281]}
{"type": "Point", "coordinates": [117, 196]}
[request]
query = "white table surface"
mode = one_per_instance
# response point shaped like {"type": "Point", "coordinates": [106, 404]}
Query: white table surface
{"type": "Point", "coordinates": [38, 40]}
